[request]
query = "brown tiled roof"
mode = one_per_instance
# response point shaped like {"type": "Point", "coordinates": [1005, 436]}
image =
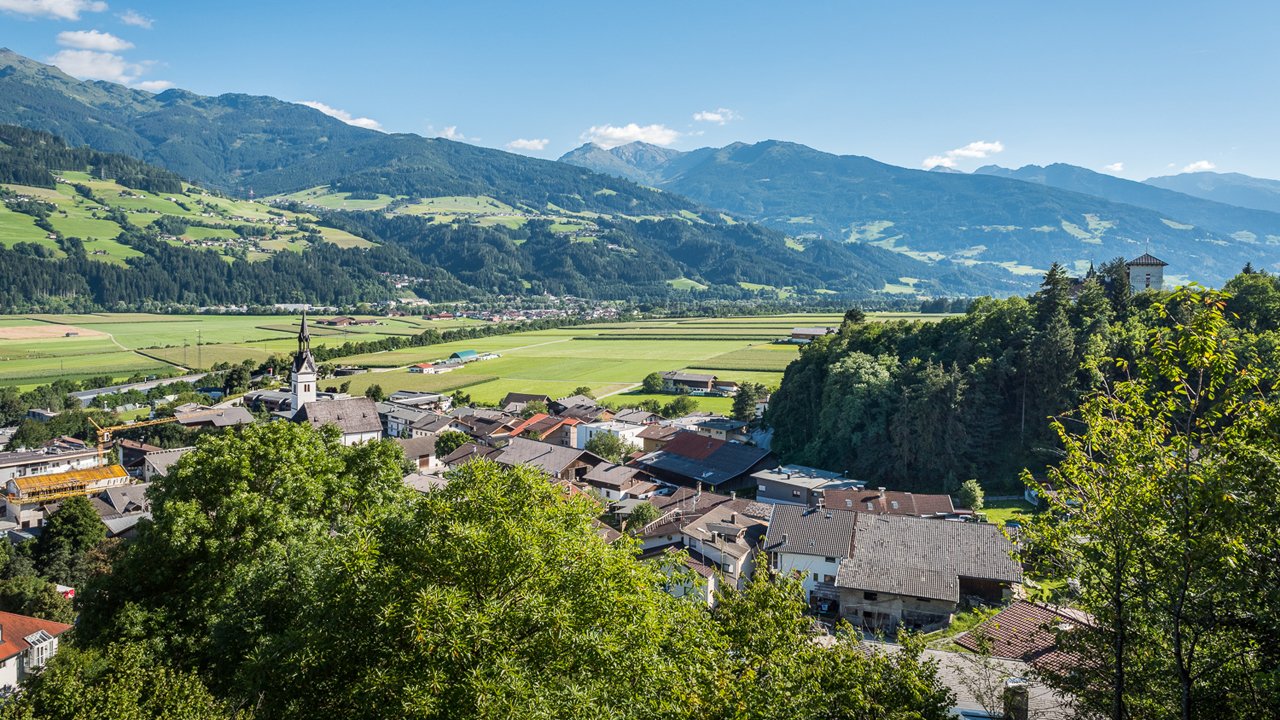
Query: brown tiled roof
{"type": "Point", "coordinates": [892, 502]}
{"type": "Point", "coordinates": [1028, 632]}
{"type": "Point", "coordinates": [350, 415]}
{"type": "Point", "coordinates": [418, 447]}
{"type": "Point", "coordinates": [693, 446]}
{"type": "Point", "coordinates": [658, 432]}
{"type": "Point", "coordinates": [467, 452]}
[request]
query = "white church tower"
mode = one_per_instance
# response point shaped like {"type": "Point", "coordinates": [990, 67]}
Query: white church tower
{"type": "Point", "coordinates": [304, 371]}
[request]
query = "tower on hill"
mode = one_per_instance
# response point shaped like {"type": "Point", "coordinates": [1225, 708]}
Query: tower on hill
{"type": "Point", "coordinates": [1146, 272]}
{"type": "Point", "coordinates": [304, 371]}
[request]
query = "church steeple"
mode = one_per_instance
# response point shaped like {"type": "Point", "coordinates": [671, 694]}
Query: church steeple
{"type": "Point", "coordinates": [304, 337]}
{"type": "Point", "coordinates": [305, 373]}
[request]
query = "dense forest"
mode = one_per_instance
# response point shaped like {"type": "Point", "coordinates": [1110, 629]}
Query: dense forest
{"type": "Point", "coordinates": [30, 157]}
{"type": "Point", "coordinates": [924, 406]}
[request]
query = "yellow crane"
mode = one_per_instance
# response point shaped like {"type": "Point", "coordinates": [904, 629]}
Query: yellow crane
{"type": "Point", "coordinates": [104, 433]}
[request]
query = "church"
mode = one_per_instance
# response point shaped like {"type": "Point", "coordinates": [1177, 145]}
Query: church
{"type": "Point", "coordinates": [356, 417]}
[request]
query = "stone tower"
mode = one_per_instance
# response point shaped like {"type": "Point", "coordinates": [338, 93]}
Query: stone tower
{"type": "Point", "coordinates": [1146, 272]}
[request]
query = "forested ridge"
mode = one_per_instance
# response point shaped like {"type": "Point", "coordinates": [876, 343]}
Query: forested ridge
{"type": "Point", "coordinates": [924, 406]}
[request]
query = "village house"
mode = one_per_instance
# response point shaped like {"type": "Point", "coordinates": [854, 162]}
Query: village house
{"type": "Point", "coordinates": [467, 452]}
{"type": "Point", "coordinates": [626, 432]}
{"type": "Point", "coordinates": [728, 539]}
{"type": "Point", "coordinates": [797, 484]}
{"type": "Point", "coordinates": [635, 416]}
{"type": "Point", "coordinates": [723, 428]}
{"type": "Point", "coordinates": [547, 428]}
{"type": "Point", "coordinates": [122, 508]}
{"type": "Point", "coordinates": [655, 437]}
{"type": "Point", "coordinates": [26, 645]}
{"type": "Point", "coordinates": [811, 542]}
{"type": "Point", "coordinates": [689, 459]}
{"type": "Point", "coordinates": [59, 455]}
{"type": "Point", "coordinates": [677, 381]}
{"type": "Point", "coordinates": [1027, 632]}
{"type": "Point", "coordinates": [804, 335]}
{"type": "Point", "coordinates": [915, 572]}
{"type": "Point", "coordinates": [879, 501]}
{"type": "Point", "coordinates": [434, 402]}
{"type": "Point", "coordinates": [582, 408]}
{"type": "Point", "coordinates": [421, 453]}
{"type": "Point", "coordinates": [398, 420]}
{"type": "Point", "coordinates": [157, 464]}
{"type": "Point", "coordinates": [516, 402]}
{"type": "Point", "coordinates": [207, 417]}
{"type": "Point", "coordinates": [556, 461]}
{"type": "Point", "coordinates": [620, 482]}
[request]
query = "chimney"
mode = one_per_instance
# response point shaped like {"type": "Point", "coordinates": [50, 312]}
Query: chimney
{"type": "Point", "coordinates": [699, 487]}
{"type": "Point", "coordinates": [822, 502]}
{"type": "Point", "coordinates": [881, 491]}
{"type": "Point", "coordinates": [1016, 699]}
{"type": "Point", "coordinates": [733, 494]}
{"type": "Point", "coordinates": [733, 518]}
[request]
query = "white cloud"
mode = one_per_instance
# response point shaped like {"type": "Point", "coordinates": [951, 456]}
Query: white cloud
{"type": "Point", "coordinates": [136, 19]}
{"type": "Point", "coordinates": [94, 65]}
{"type": "Point", "coordinates": [153, 85]}
{"type": "Point", "coordinates": [719, 116]}
{"type": "Point", "coordinates": [58, 9]}
{"type": "Point", "coordinates": [342, 115]}
{"type": "Point", "coordinates": [1199, 166]}
{"type": "Point", "coordinates": [976, 149]}
{"type": "Point", "coordinates": [92, 40]}
{"type": "Point", "coordinates": [607, 136]}
{"type": "Point", "coordinates": [523, 144]}
{"type": "Point", "coordinates": [451, 133]}
{"type": "Point", "coordinates": [1115, 167]}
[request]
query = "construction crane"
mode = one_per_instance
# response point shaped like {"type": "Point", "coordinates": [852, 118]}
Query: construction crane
{"type": "Point", "coordinates": [104, 433]}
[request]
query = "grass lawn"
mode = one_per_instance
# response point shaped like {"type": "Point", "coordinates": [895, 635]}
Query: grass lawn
{"type": "Point", "coordinates": [999, 511]}
{"type": "Point", "coordinates": [343, 239]}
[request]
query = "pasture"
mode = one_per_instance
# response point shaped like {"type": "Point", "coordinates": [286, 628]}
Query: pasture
{"type": "Point", "coordinates": [610, 358]}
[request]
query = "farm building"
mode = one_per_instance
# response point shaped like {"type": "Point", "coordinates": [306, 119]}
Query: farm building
{"type": "Point", "coordinates": [809, 334]}
{"type": "Point", "coordinates": [677, 381]}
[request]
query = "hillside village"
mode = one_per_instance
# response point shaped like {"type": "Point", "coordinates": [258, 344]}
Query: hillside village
{"type": "Point", "coordinates": [700, 487]}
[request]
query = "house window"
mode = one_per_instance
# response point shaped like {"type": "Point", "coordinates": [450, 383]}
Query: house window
{"type": "Point", "coordinates": [923, 600]}
{"type": "Point", "coordinates": [728, 567]}
{"type": "Point", "coordinates": [829, 579]}
{"type": "Point", "coordinates": [848, 503]}
{"type": "Point", "coordinates": [815, 577]}
{"type": "Point", "coordinates": [829, 559]}
{"type": "Point", "coordinates": [795, 493]}
{"type": "Point", "coordinates": [871, 506]}
{"type": "Point", "coordinates": [870, 596]}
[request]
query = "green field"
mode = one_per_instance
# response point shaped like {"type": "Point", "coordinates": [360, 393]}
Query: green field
{"type": "Point", "coordinates": [610, 358]}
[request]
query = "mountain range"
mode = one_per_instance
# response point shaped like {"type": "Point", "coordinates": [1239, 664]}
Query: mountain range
{"type": "Point", "coordinates": [1020, 220]}
{"type": "Point", "coordinates": [771, 218]}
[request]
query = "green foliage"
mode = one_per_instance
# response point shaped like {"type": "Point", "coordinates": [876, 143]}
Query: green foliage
{"type": "Point", "coordinates": [923, 405]}
{"type": "Point", "coordinates": [374, 392]}
{"type": "Point", "coordinates": [744, 403]}
{"type": "Point", "coordinates": [29, 594]}
{"type": "Point", "coordinates": [533, 407]}
{"type": "Point", "coordinates": [122, 683]}
{"type": "Point", "coordinates": [1166, 497]}
{"type": "Point", "coordinates": [237, 528]}
{"type": "Point", "coordinates": [583, 390]}
{"type": "Point", "coordinates": [450, 440]}
{"type": "Point", "coordinates": [970, 495]}
{"type": "Point", "coordinates": [610, 447]}
{"type": "Point", "coordinates": [65, 542]}
{"type": "Point", "coordinates": [652, 383]}
{"type": "Point", "coordinates": [642, 514]}
{"type": "Point", "coordinates": [679, 407]}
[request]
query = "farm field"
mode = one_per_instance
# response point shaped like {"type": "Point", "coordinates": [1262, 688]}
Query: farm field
{"type": "Point", "coordinates": [610, 358]}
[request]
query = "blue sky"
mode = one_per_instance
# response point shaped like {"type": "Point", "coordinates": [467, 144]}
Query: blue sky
{"type": "Point", "coordinates": [1142, 88]}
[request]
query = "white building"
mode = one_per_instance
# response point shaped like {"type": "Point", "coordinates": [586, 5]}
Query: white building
{"type": "Point", "coordinates": [55, 458]}
{"type": "Point", "coordinates": [629, 433]}
{"type": "Point", "coordinates": [26, 644]}
{"type": "Point", "coordinates": [811, 542]}
{"type": "Point", "coordinates": [1146, 272]}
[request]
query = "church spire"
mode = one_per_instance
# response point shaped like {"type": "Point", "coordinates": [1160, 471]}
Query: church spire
{"type": "Point", "coordinates": [304, 337]}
